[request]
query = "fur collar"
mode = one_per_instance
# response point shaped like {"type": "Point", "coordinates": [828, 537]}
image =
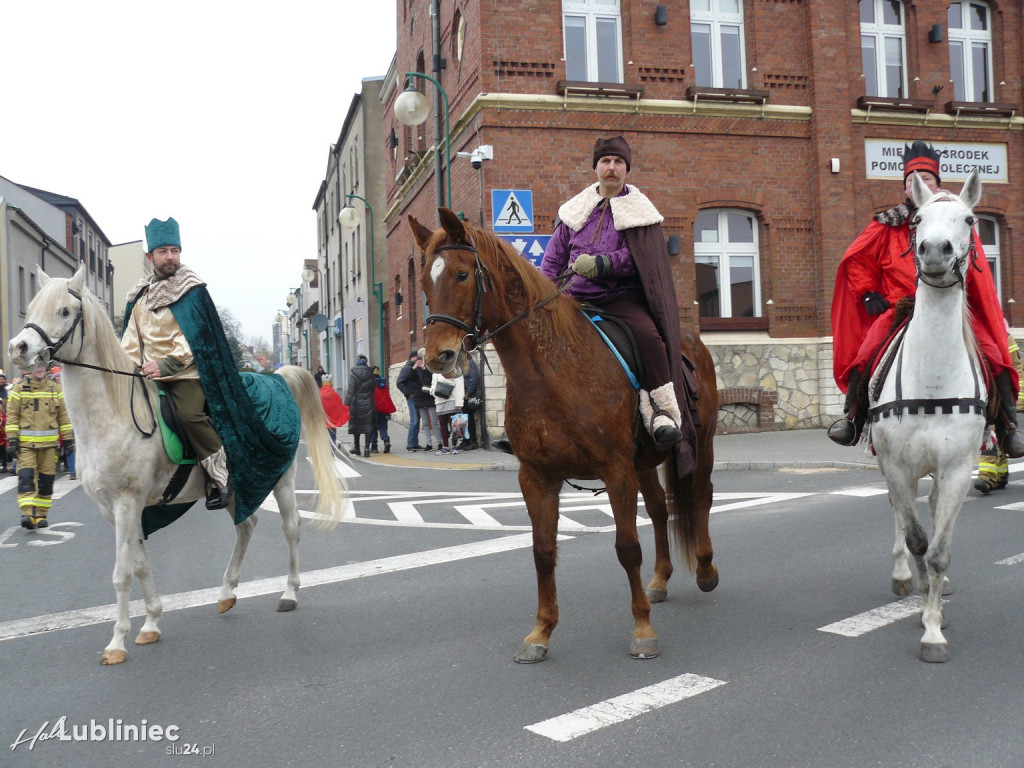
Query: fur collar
{"type": "Point", "coordinates": [631, 210]}
{"type": "Point", "coordinates": [163, 293]}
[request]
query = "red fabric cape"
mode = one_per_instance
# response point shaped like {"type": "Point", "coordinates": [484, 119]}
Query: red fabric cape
{"type": "Point", "coordinates": [875, 261]}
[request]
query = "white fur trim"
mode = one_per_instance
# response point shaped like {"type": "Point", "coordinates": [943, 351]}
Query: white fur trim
{"type": "Point", "coordinates": [631, 210]}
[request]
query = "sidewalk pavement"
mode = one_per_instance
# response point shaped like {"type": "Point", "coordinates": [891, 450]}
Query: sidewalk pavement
{"type": "Point", "coordinates": [782, 449]}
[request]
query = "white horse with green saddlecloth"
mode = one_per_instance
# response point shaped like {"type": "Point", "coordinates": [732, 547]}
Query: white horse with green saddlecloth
{"type": "Point", "coordinates": [123, 465]}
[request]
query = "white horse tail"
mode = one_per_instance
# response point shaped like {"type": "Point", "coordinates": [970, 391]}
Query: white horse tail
{"type": "Point", "coordinates": [333, 488]}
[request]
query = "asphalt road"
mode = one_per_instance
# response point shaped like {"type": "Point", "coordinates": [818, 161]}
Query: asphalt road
{"type": "Point", "coordinates": [400, 653]}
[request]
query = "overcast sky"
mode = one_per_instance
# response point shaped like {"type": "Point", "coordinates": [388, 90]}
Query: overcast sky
{"type": "Point", "coordinates": [220, 113]}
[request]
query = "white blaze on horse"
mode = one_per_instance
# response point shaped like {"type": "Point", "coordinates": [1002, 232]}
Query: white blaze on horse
{"type": "Point", "coordinates": [124, 471]}
{"type": "Point", "coordinates": [928, 416]}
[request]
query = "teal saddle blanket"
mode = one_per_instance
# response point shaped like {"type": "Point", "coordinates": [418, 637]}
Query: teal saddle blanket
{"type": "Point", "coordinates": [259, 425]}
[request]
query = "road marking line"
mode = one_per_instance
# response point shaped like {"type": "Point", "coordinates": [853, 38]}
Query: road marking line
{"type": "Point", "coordinates": [621, 708]}
{"type": "Point", "coordinates": [876, 618]}
{"type": "Point", "coordinates": [1015, 507]}
{"type": "Point", "coordinates": [1011, 560]}
{"type": "Point", "coordinates": [103, 613]}
{"type": "Point", "coordinates": [860, 492]}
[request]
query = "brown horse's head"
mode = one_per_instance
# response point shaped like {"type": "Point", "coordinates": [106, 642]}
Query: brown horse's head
{"type": "Point", "coordinates": [451, 286]}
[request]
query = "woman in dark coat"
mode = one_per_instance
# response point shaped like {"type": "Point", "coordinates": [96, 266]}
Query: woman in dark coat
{"type": "Point", "coordinates": [359, 399]}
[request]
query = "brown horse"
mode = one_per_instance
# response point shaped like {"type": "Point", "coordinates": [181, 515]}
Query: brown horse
{"type": "Point", "coordinates": [569, 413]}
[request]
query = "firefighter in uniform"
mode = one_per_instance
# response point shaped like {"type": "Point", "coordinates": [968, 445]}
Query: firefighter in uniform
{"type": "Point", "coordinates": [36, 420]}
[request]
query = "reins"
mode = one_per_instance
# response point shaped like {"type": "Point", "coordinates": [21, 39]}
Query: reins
{"type": "Point", "coordinates": [53, 348]}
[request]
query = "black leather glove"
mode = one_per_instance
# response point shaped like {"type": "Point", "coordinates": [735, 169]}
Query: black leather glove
{"type": "Point", "coordinates": [69, 446]}
{"type": "Point", "coordinates": [875, 303]}
{"type": "Point", "coordinates": [12, 448]}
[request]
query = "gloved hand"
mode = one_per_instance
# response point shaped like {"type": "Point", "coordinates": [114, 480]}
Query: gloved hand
{"type": "Point", "coordinates": [591, 266]}
{"type": "Point", "coordinates": [875, 303]}
{"type": "Point", "coordinates": [12, 448]}
{"type": "Point", "coordinates": [69, 446]}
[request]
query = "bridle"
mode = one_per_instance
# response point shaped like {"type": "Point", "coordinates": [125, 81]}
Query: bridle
{"type": "Point", "coordinates": [475, 335]}
{"type": "Point", "coordinates": [53, 348]}
{"type": "Point", "coordinates": [958, 262]}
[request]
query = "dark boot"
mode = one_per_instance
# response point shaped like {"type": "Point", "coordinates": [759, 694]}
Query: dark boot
{"type": "Point", "coordinates": [847, 431]}
{"type": "Point", "coordinates": [387, 446]}
{"type": "Point", "coordinates": [1010, 440]}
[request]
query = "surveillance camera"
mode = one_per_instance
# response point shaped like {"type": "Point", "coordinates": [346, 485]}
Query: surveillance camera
{"type": "Point", "coordinates": [477, 160]}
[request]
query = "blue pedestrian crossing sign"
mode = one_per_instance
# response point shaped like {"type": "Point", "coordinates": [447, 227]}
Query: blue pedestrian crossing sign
{"type": "Point", "coordinates": [513, 210]}
{"type": "Point", "coordinates": [530, 247]}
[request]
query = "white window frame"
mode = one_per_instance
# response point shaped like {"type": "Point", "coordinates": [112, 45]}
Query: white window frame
{"type": "Point", "coordinates": [723, 251]}
{"type": "Point", "coordinates": [992, 252]}
{"type": "Point", "coordinates": [881, 32]}
{"type": "Point", "coordinates": [717, 19]}
{"type": "Point", "coordinates": [968, 38]}
{"type": "Point", "coordinates": [593, 11]}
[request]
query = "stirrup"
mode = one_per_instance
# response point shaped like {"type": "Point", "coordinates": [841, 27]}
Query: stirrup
{"type": "Point", "coordinates": [666, 436]}
{"type": "Point", "coordinates": [1012, 444]}
{"type": "Point", "coordinates": [845, 432]}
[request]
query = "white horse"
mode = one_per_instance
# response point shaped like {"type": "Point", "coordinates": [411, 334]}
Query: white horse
{"type": "Point", "coordinates": [929, 416]}
{"type": "Point", "coordinates": [123, 471]}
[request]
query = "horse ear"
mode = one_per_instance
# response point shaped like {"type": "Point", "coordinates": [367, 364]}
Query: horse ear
{"type": "Point", "coordinates": [971, 193]}
{"type": "Point", "coordinates": [421, 233]}
{"type": "Point", "coordinates": [452, 224]}
{"type": "Point", "coordinates": [920, 190]}
{"type": "Point", "coordinates": [42, 277]}
{"type": "Point", "coordinates": [77, 280]}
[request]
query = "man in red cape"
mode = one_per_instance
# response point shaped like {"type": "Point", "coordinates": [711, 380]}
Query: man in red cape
{"type": "Point", "coordinates": [876, 272]}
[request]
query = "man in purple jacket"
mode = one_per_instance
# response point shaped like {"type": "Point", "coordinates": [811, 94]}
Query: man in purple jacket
{"type": "Point", "coordinates": [610, 236]}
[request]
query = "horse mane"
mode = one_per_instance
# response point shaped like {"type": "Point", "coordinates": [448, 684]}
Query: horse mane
{"type": "Point", "coordinates": [107, 347]}
{"type": "Point", "coordinates": [500, 259]}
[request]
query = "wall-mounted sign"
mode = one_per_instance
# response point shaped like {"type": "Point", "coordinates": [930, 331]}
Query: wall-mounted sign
{"type": "Point", "coordinates": [883, 159]}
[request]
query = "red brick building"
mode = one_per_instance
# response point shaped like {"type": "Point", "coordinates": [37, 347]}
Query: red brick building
{"type": "Point", "coordinates": [767, 132]}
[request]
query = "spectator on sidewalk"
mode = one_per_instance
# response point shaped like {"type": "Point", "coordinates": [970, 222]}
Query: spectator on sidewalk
{"type": "Point", "coordinates": [362, 416]}
{"type": "Point", "coordinates": [425, 401]}
{"type": "Point", "coordinates": [408, 384]}
{"type": "Point", "coordinates": [384, 406]}
{"type": "Point", "coordinates": [447, 403]}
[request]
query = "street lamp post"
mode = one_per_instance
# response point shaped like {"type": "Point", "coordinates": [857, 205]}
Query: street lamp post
{"type": "Point", "coordinates": [295, 297]}
{"type": "Point", "coordinates": [350, 218]}
{"type": "Point", "coordinates": [308, 273]}
{"type": "Point", "coordinates": [411, 108]}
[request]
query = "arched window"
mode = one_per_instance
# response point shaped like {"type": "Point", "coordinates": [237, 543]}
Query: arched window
{"type": "Point", "coordinates": [882, 50]}
{"type": "Point", "coordinates": [459, 35]}
{"type": "Point", "coordinates": [970, 51]}
{"type": "Point", "coordinates": [988, 233]}
{"type": "Point", "coordinates": [414, 292]}
{"type": "Point", "coordinates": [725, 251]}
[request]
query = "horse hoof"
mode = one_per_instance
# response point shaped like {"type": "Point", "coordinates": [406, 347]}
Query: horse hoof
{"type": "Point", "coordinates": [644, 648]}
{"type": "Point", "coordinates": [657, 595]}
{"type": "Point", "coordinates": [223, 606]}
{"type": "Point", "coordinates": [283, 605]}
{"type": "Point", "coordinates": [146, 638]}
{"type": "Point", "coordinates": [531, 653]}
{"type": "Point", "coordinates": [708, 585]}
{"type": "Point", "coordinates": [902, 587]}
{"type": "Point", "coordinates": [947, 588]}
{"type": "Point", "coordinates": [934, 653]}
{"type": "Point", "coordinates": [113, 657]}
